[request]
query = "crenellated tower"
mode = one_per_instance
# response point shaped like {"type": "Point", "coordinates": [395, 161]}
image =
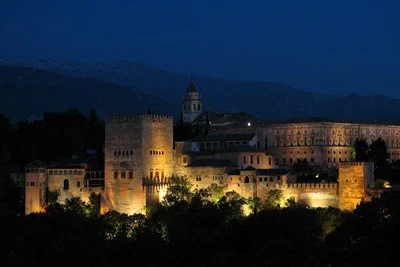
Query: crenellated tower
{"type": "Point", "coordinates": [192, 104]}
{"type": "Point", "coordinates": [138, 161]}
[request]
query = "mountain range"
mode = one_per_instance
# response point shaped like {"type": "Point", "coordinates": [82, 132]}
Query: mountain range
{"type": "Point", "coordinates": [129, 87]}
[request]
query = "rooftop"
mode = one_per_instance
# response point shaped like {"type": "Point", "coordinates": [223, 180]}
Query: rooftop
{"type": "Point", "coordinates": [239, 148]}
{"type": "Point", "coordinates": [212, 163]}
{"type": "Point", "coordinates": [223, 137]}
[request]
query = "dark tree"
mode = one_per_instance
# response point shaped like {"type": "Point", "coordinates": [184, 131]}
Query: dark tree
{"type": "Point", "coordinates": [361, 150]}
{"type": "Point", "coordinates": [378, 153]}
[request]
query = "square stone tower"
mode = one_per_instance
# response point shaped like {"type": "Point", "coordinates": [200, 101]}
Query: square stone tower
{"type": "Point", "coordinates": [138, 148]}
{"type": "Point", "coordinates": [354, 179]}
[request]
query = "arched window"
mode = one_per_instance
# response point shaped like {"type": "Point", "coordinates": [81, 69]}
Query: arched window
{"type": "Point", "coordinates": [115, 153]}
{"type": "Point", "coordinates": [215, 146]}
{"type": "Point", "coordinates": [265, 179]}
{"type": "Point", "coordinates": [70, 172]}
{"type": "Point", "coordinates": [55, 172]}
{"type": "Point", "coordinates": [75, 172]}
{"type": "Point", "coordinates": [66, 184]}
{"type": "Point", "coordinates": [51, 172]}
{"type": "Point", "coordinates": [260, 179]}
{"type": "Point", "coordinates": [157, 174]}
{"type": "Point", "coordinates": [271, 179]}
{"type": "Point", "coordinates": [123, 153]}
{"type": "Point", "coordinates": [65, 172]}
{"type": "Point", "coordinates": [119, 153]}
{"type": "Point", "coordinates": [246, 180]}
{"type": "Point", "coordinates": [78, 184]}
{"type": "Point", "coordinates": [202, 147]}
{"type": "Point", "coordinates": [131, 152]}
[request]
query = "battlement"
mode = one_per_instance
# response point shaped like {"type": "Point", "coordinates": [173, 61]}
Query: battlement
{"type": "Point", "coordinates": [156, 181]}
{"type": "Point", "coordinates": [134, 117]}
{"type": "Point", "coordinates": [354, 163]}
{"type": "Point", "coordinates": [312, 185]}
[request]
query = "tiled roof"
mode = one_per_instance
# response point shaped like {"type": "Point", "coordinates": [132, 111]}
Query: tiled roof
{"type": "Point", "coordinates": [212, 163]}
{"type": "Point", "coordinates": [223, 137]}
{"type": "Point", "coordinates": [36, 164]}
{"type": "Point", "coordinates": [271, 172]}
{"type": "Point", "coordinates": [192, 88]}
{"type": "Point", "coordinates": [239, 148]}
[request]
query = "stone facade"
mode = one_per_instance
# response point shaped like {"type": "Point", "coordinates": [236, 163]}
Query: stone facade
{"type": "Point", "coordinates": [137, 148]}
{"type": "Point", "coordinates": [68, 180]}
{"type": "Point", "coordinates": [354, 179]}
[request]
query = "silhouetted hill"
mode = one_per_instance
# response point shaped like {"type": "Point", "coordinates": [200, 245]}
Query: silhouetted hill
{"type": "Point", "coordinates": [27, 93]}
{"type": "Point", "coordinates": [271, 101]}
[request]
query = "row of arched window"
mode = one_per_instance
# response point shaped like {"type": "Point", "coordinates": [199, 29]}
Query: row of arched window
{"type": "Point", "coordinates": [156, 174]}
{"type": "Point", "coordinates": [155, 152]}
{"type": "Point", "coordinates": [261, 179]}
{"type": "Point", "coordinates": [194, 107]}
{"type": "Point", "coordinates": [65, 172]}
{"type": "Point", "coordinates": [123, 152]}
{"type": "Point", "coordinates": [123, 174]}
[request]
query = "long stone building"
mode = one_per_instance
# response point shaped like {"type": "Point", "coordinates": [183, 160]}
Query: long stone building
{"type": "Point", "coordinates": [242, 152]}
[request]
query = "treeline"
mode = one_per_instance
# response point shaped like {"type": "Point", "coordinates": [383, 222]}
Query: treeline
{"type": "Point", "coordinates": [58, 135]}
{"type": "Point", "coordinates": [203, 228]}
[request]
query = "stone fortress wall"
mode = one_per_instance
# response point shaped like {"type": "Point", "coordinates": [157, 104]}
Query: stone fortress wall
{"type": "Point", "coordinates": [137, 148]}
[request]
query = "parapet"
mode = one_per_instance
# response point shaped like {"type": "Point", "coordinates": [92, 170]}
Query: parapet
{"type": "Point", "coordinates": [131, 117]}
{"type": "Point", "coordinates": [312, 185]}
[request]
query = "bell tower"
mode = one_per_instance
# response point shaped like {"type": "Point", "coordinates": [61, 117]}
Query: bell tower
{"type": "Point", "coordinates": [192, 104]}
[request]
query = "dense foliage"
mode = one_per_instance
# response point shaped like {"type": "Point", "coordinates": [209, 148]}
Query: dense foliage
{"type": "Point", "coordinates": [200, 228]}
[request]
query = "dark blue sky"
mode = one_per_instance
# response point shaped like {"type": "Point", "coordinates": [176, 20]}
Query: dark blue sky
{"type": "Point", "coordinates": [326, 46]}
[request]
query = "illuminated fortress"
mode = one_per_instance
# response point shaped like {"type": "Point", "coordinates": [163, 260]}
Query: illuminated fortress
{"type": "Point", "coordinates": [241, 153]}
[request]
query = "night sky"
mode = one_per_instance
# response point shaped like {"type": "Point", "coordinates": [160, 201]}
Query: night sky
{"type": "Point", "coordinates": [334, 47]}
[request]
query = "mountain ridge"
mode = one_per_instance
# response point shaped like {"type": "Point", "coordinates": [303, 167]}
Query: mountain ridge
{"type": "Point", "coordinates": [269, 100]}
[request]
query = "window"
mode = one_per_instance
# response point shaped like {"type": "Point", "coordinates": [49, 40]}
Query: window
{"type": "Point", "coordinates": [27, 184]}
{"type": "Point", "coordinates": [32, 183]}
{"type": "Point", "coordinates": [123, 174]}
{"type": "Point", "coordinates": [278, 178]}
{"type": "Point", "coordinates": [75, 172]}
{"type": "Point", "coordinates": [130, 174]}
{"type": "Point", "coordinates": [51, 172]}
{"type": "Point", "coordinates": [265, 179]}
{"type": "Point", "coordinates": [119, 153]}
{"type": "Point", "coordinates": [115, 153]}
{"type": "Point", "coordinates": [70, 172]}
{"type": "Point", "coordinates": [151, 175]}
{"type": "Point", "coordinates": [271, 179]}
{"type": "Point", "coordinates": [66, 184]}
{"type": "Point", "coordinates": [260, 179]}
{"type": "Point", "coordinates": [184, 160]}
{"type": "Point", "coordinates": [162, 174]}
{"type": "Point", "coordinates": [329, 159]}
{"type": "Point", "coordinates": [157, 174]}
{"type": "Point", "coordinates": [244, 159]}
{"type": "Point", "coordinates": [131, 152]}
{"type": "Point", "coordinates": [246, 179]}
{"type": "Point", "coordinates": [123, 153]}
{"type": "Point", "coordinates": [115, 175]}
{"type": "Point", "coordinates": [251, 159]}
{"type": "Point", "coordinates": [78, 184]}
{"type": "Point", "coordinates": [79, 172]}
{"type": "Point", "coordinates": [258, 160]}
{"type": "Point", "coordinates": [151, 152]}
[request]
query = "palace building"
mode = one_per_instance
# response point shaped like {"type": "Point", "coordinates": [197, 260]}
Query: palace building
{"type": "Point", "coordinates": [242, 152]}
